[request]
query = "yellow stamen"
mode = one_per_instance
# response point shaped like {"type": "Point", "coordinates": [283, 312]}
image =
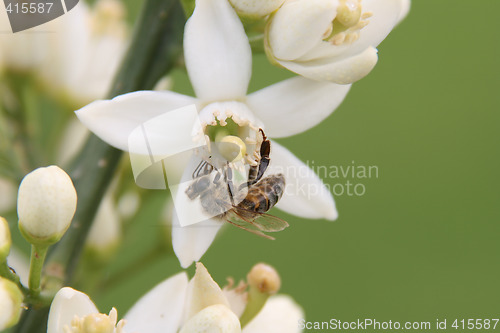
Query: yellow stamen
{"type": "Point", "coordinates": [96, 323]}
{"type": "Point", "coordinates": [348, 23]}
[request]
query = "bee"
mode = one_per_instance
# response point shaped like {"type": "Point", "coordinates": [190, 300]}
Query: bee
{"type": "Point", "coordinates": [245, 206]}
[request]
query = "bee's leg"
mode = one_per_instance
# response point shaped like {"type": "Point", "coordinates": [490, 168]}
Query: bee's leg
{"type": "Point", "coordinates": [252, 173]}
{"type": "Point", "coordinates": [208, 168]}
{"type": "Point", "coordinates": [265, 150]}
{"type": "Point", "coordinates": [228, 177]}
{"type": "Point", "coordinates": [216, 178]}
{"type": "Point", "coordinates": [197, 170]}
{"type": "Point", "coordinates": [255, 175]}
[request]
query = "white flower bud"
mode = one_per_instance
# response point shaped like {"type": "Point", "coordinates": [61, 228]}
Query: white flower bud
{"type": "Point", "coordinates": [11, 299]}
{"type": "Point", "coordinates": [256, 8]}
{"type": "Point", "coordinates": [215, 318]}
{"type": "Point", "coordinates": [46, 204]}
{"type": "Point", "coordinates": [5, 240]}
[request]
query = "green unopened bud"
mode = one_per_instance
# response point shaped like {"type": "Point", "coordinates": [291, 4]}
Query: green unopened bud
{"type": "Point", "coordinates": [46, 204]}
{"type": "Point", "coordinates": [11, 299]}
{"type": "Point", "coordinates": [5, 240]}
{"type": "Point", "coordinates": [215, 318]}
{"type": "Point", "coordinates": [263, 281]}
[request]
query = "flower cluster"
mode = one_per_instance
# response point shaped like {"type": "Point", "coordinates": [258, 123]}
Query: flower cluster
{"type": "Point", "coordinates": [218, 60]}
{"type": "Point", "coordinates": [185, 306]}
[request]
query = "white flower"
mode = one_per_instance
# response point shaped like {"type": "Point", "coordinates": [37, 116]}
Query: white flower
{"type": "Point", "coordinates": [76, 54]}
{"type": "Point", "coordinates": [46, 204]}
{"type": "Point", "coordinates": [177, 305]}
{"type": "Point", "coordinates": [218, 60]}
{"type": "Point", "coordinates": [10, 303]}
{"type": "Point", "coordinates": [331, 40]}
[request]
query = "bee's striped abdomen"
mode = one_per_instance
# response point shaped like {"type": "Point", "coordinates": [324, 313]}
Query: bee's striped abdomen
{"type": "Point", "coordinates": [264, 195]}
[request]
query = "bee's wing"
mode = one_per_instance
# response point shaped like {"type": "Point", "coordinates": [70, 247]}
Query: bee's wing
{"type": "Point", "coordinates": [262, 221]}
{"type": "Point", "coordinates": [239, 222]}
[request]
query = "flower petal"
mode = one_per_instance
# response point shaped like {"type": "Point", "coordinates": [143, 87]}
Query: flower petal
{"type": "Point", "coordinates": [280, 315]}
{"type": "Point", "coordinates": [191, 242]}
{"type": "Point", "coordinates": [67, 304]}
{"type": "Point", "coordinates": [301, 102]}
{"type": "Point", "coordinates": [298, 26]}
{"type": "Point", "coordinates": [217, 53]}
{"type": "Point", "coordinates": [385, 17]}
{"type": "Point", "coordinates": [305, 194]}
{"type": "Point", "coordinates": [202, 292]}
{"type": "Point", "coordinates": [405, 9]}
{"type": "Point", "coordinates": [237, 300]}
{"type": "Point", "coordinates": [192, 229]}
{"type": "Point", "coordinates": [161, 309]}
{"type": "Point", "coordinates": [114, 120]}
{"type": "Point", "coordinates": [345, 71]}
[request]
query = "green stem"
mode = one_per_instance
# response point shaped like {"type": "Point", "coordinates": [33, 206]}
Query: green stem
{"type": "Point", "coordinates": [255, 303]}
{"type": "Point", "coordinates": [7, 273]}
{"type": "Point", "coordinates": [34, 300]}
{"type": "Point", "coordinates": [38, 253]}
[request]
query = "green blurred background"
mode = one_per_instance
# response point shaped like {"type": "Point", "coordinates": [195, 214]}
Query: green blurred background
{"type": "Point", "coordinates": [423, 242]}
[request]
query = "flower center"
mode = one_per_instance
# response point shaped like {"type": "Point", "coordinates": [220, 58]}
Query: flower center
{"type": "Point", "coordinates": [96, 323]}
{"type": "Point", "coordinates": [233, 135]}
{"type": "Point", "coordinates": [348, 23]}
